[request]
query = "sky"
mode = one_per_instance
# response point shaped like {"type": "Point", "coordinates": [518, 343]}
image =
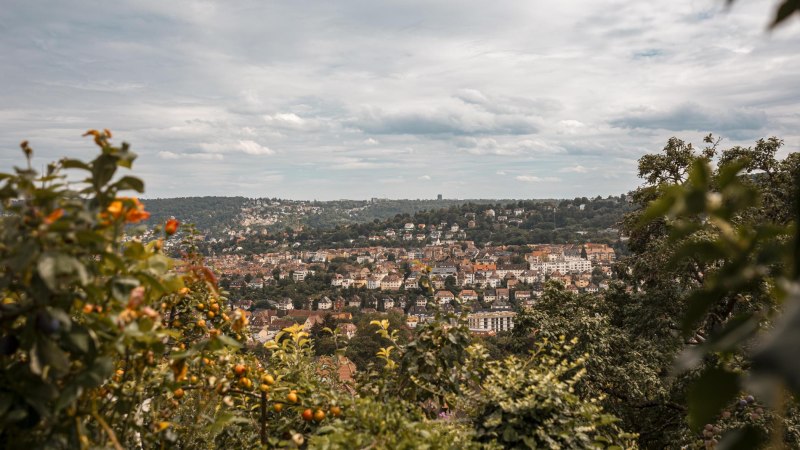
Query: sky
{"type": "Point", "coordinates": [393, 98]}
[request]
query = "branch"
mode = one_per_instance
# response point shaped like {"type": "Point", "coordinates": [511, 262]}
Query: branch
{"type": "Point", "coordinates": [108, 430]}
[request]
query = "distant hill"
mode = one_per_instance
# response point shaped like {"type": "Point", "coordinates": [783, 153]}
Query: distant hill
{"type": "Point", "coordinates": [256, 225]}
{"type": "Point", "coordinates": [207, 213]}
{"type": "Point", "coordinates": [218, 213]}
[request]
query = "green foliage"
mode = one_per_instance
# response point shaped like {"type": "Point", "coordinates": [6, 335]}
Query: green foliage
{"type": "Point", "coordinates": [730, 224]}
{"type": "Point", "coordinates": [532, 403]}
{"type": "Point", "coordinates": [78, 304]}
{"type": "Point", "coordinates": [391, 424]}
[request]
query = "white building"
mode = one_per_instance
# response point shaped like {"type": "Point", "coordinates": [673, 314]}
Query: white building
{"type": "Point", "coordinates": [325, 304]}
{"type": "Point", "coordinates": [374, 282]}
{"type": "Point", "coordinates": [485, 321]}
{"type": "Point", "coordinates": [285, 304]}
{"type": "Point", "coordinates": [563, 265]}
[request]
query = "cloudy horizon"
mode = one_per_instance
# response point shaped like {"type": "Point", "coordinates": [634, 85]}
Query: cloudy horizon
{"type": "Point", "coordinates": [393, 99]}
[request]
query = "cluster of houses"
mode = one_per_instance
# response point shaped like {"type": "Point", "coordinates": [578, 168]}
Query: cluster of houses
{"type": "Point", "coordinates": [488, 280]}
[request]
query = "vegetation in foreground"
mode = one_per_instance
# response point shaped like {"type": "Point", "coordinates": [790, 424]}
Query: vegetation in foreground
{"type": "Point", "coordinates": [107, 342]}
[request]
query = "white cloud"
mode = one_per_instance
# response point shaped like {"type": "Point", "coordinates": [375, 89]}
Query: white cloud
{"type": "Point", "coordinates": [574, 169]}
{"type": "Point", "coordinates": [424, 177]}
{"type": "Point", "coordinates": [198, 156]}
{"type": "Point", "coordinates": [535, 179]}
{"type": "Point", "coordinates": [253, 148]}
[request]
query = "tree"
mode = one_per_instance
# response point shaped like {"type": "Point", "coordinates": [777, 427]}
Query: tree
{"type": "Point", "coordinates": [715, 241]}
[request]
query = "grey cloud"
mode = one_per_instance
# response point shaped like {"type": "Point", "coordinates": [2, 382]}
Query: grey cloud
{"type": "Point", "coordinates": [470, 86]}
{"type": "Point", "coordinates": [693, 117]}
{"type": "Point", "coordinates": [445, 122]}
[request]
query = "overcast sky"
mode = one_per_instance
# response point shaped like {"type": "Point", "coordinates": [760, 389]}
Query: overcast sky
{"type": "Point", "coordinates": [402, 99]}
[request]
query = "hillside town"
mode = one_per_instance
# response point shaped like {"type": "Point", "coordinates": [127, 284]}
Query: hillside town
{"type": "Point", "coordinates": [493, 282]}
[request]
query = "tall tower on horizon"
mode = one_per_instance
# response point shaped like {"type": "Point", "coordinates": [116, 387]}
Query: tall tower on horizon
{"type": "Point", "coordinates": [439, 197]}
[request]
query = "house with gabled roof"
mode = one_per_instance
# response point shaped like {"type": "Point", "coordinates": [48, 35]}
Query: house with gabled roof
{"type": "Point", "coordinates": [444, 297]}
{"type": "Point", "coordinates": [324, 304]}
{"type": "Point", "coordinates": [468, 295]}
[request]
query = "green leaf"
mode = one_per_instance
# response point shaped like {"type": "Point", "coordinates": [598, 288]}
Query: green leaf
{"type": "Point", "coordinates": [709, 394]}
{"type": "Point", "coordinates": [658, 208]}
{"type": "Point", "coordinates": [130, 183]}
{"type": "Point", "coordinates": [730, 171]}
{"type": "Point", "coordinates": [787, 8]}
{"type": "Point", "coordinates": [56, 268]}
{"type": "Point", "coordinates": [80, 339]}
{"type": "Point", "coordinates": [746, 438]}
{"type": "Point", "coordinates": [100, 371]}
{"type": "Point", "coordinates": [703, 251]}
{"type": "Point", "coordinates": [69, 163]}
{"type": "Point", "coordinates": [67, 396]}
{"type": "Point", "coordinates": [778, 355]}
{"type": "Point", "coordinates": [51, 355]}
{"type": "Point", "coordinates": [229, 341]}
{"type": "Point", "coordinates": [735, 332]}
{"type": "Point", "coordinates": [121, 287]}
{"type": "Point", "coordinates": [698, 303]}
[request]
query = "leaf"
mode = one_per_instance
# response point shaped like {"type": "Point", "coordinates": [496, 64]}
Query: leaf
{"type": "Point", "coordinates": [730, 171]}
{"type": "Point", "coordinates": [55, 268]}
{"type": "Point", "coordinates": [704, 251]}
{"type": "Point", "coordinates": [698, 303]}
{"type": "Point", "coordinates": [734, 333]}
{"type": "Point", "coordinates": [51, 355]}
{"type": "Point", "coordinates": [224, 419]}
{"type": "Point", "coordinates": [709, 394]}
{"type": "Point", "coordinates": [69, 163]}
{"type": "Point", "coordinates": [229, 341]}
{"type": "Point", "coordinates": [658, 208]}
{"type": "Point", "coordinates": [130, 183]}
{"type": "Point", "coordinates": [787, 8]}
{"type": "Point", "coordinates": [80, 339]}
{"type": "Point", "coordinates": [746, 438]}
{"type": "Point", "coordinates": [103, 169]}
{"type": "Point", "coordinates": [101, 370]}
{"type": "Point", "coordinates": [121, 287]}
{"type": "Point", "coordinates": [778, 354]}
{"type": "Point", "coordinates": [67, 396]}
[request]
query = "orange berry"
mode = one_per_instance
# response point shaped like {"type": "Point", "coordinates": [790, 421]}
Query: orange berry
{"type": "Point", "coordinates": [267, 378]}
{"type": "Point", "coordinates": [171, 226]}
{"type": "Point", "coordinates": [239, 369]}
{"type": "Point", "coordinates": [308, 415]}
{"type": "Point", "coordinates": [264, 388]}
{"type": "Point", "coordinates": [319, 415]}
{"type": "Point", "coordinates": [245, 382]}
{"type": "Point", "coordinates": [277, 407]}
{"type": "Point", "coordinates": [292, 397]}
{"type": "Point", "coordinates": [178, 393]}
{"type": "Point", "coordinates": [336, 411]}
